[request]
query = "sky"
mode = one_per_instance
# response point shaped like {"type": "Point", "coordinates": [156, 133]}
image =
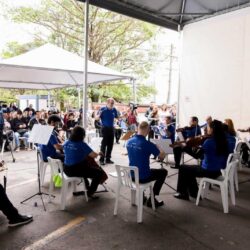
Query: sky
{"type": "Point", "coordinates": [159, 76]}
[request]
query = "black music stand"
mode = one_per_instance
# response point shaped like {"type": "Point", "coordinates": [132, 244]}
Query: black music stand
{"type": "Point", "coordinates": [40, 134]}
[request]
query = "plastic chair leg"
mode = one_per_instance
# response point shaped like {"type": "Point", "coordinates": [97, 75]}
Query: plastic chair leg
{"type": "Point", "coordinates": [64, 195]}
{"type": "Point", "coordinates": [51, 186]}
{"type": "Point", "coordinates": [139, 205]}
{"type": "Point", "coordinates": [224, 198]}
{"type": "Point", "coordinates": [133, 197]}
{"type": "Point", "coordinates": [85, 190]}
{"type": "Point", "coordinates": [236, 180]}
{"type": "Point", "coordinates": [232, 192]}
{"type": "Point", "coordinates": [199, 193]}
{"type": "Point", "coordinates": [117, 199]}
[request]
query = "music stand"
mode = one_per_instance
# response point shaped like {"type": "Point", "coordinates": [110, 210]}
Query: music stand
{"type": "Point", "coordinates": [164, 145]}
{"type": "Point", "coordinates": [40, 134]}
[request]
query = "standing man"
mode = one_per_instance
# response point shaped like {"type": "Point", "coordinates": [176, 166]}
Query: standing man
{"type": "Point", "coordinates": [139, 151]}
{"type": "Point", "coordinates": [107, 115]}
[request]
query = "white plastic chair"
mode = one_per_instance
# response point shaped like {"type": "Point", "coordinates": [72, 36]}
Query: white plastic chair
{"type": "Point", "coordinates": [57, 168]}
{"type": "Point", "coordinates": [237, 149]}
{"type": "Point", "coordinates": [233, 157]}
{"type": "Point", "coordinates": [42, 165]}
{"type": "Point", "coordinates": [225, 182]}
{"type": "Point", "coordinates": [125, 180]}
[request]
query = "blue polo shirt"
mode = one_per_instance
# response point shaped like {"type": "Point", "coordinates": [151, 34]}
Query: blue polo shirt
{"type": "Point", "coordinates": [231, 142]}
{"type": "Point", "coordinates": [139, 151]}
{"type": "Point", "coordinates": [75, 152]}
{"type": "Point", "coordinates": [212, 161]}
{"type": "Point", "coordinates": [49, 149]}
{"type": "Point", "coordinates": [171, 129]}
{"type": "Point", "coordinates": [107, 116]}
{"type": "Point", "coordinates": [194, 131]}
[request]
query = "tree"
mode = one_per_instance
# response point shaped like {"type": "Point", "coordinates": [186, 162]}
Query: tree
{"type": "Point", "coordinates": [114, 40]}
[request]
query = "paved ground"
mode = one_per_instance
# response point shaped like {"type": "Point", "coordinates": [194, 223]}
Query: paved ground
{"type": "Point", "coordinates": [177, 225]}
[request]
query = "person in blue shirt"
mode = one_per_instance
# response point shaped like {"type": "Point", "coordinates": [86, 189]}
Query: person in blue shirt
{"type": "Point", "coordinates": [79, 160]}
{"type": "Point", "coordinates": [169, 129]}
{"type": "Point", "coordinates": [216, 151]}
{"type": "Point", "coordinates": [139, 151]}
{"type": "Point", "coordinates": [188, 132]}
{"type": "Point", "coordinates": [54, 148]}
{"type": "Point", "coordinates": [107, 115]}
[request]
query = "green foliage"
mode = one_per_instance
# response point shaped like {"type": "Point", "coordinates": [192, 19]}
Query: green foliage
{"type": "Point", "coordinates": [115, 41]}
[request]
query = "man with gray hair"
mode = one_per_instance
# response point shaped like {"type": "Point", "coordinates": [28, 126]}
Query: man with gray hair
{"type": "Point", "coordinates": [107, 115]}
{"type": "Point", "coordinates": [139, 151]}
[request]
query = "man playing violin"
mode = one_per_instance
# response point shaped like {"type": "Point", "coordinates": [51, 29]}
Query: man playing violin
{"type": "Point", "coordinates": [188, 133]}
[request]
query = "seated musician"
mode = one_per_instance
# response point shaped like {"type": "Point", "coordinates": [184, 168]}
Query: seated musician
{"type": "Point", "coordinates": [169, 129]}
{"type": "Point", "coordinates": [139, 151]}
{"type": "Point", "coordinates": [230, 125]}
{"type": "Point", "coordinates": [79, 160]}
{"type": "Point", "coordinates": [205, 126]}
{"type": "Point", "coordinates": [216, 151]}
{"type": "Point", "coordinates": [188, 132]}
{"type": "Point", "coordinates": [54, 148]}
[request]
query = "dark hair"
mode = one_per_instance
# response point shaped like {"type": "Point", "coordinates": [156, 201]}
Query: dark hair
{"type": "Point", "coordinates": [71, 114]}
{"type": "Point", "coordinates": [195, 119]}
{"type": "Point", "coordinates": [19, 112]}
{"type": "Point", "coordinates": [54, 118]}
{"type": "Point", "coordinates": [77, 134]}
{"type": "Point", "coordinates": [220, 137]}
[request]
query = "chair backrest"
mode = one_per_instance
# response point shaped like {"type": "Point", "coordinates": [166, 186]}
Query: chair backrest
{"type": "Point", "coordinates": [238, 147]}
{"type": "Point", "coordinates": [230, 169]}
{"type": "Point", "coordinates": [233, 157]}
{"type": "Point", "coordinates": [56, 166]}
{"type": "Point", "coordinates": [124, 176]}
{"type": "Point", "coordinates": [95, 143]}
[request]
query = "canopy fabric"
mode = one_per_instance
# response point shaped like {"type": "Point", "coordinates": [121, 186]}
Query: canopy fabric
{"type": "Point", "coordinates": [172, 14]}
{"type": "Point", "coordinates": [51, 67]}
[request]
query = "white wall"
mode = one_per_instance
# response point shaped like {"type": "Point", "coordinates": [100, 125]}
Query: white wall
{"type": "Point", "coordinates": [215, 68]}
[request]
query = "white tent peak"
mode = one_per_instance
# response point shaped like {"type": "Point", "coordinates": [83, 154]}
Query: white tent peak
{"type": "Point", "coordinates": [50, 67]}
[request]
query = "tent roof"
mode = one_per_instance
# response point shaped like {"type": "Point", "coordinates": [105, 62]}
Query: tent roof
{"type": "Point", "coordinates": [170, 13]}
{"type": "Point", "coordinates": [50, 67]}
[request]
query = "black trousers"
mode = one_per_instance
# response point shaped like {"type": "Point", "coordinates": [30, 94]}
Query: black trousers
{"type": "Point", "coordinates": [194, 152]}
{"type": "Point", "coordinates": [187, 184]}
{"type": "Point", "coordinates": [6, 206]}
{"type": "Point", "coordinates": [245, 152]}
{"type": "Point", "coordinates": [107, 142]}
{"type": "Point", "coordinates": [118, 134]}
{"type": "Point", "coordinates": [81, 170]}
{"type": "Point", "coordinates": [159, 176]}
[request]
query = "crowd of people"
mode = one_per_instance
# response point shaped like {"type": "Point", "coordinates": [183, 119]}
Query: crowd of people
{"type": "Point", "coordinates": [211, 143]}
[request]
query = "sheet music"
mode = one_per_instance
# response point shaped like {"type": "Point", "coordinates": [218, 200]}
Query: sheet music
{"type": "Point", "coordinates": [40, 134]}
{"type": "Point", "coordinates": [164, 145]}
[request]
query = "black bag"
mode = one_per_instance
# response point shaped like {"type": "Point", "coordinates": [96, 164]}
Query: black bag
{"type": "Point", "coordinates": [22, 131]}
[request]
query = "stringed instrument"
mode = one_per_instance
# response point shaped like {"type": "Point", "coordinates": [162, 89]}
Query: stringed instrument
{"type": "Point", "coordinates": [192, 142]}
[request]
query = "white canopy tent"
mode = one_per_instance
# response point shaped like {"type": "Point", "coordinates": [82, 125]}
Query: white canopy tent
{"type": "Point", "coordinates": [50, 67]}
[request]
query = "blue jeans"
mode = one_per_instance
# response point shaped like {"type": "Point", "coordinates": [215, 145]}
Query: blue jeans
{"type": "Point", "coordinates": [17, 141]}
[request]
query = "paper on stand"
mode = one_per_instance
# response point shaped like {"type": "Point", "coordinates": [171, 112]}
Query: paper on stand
{"type": "Point", "coordinates": [40, 134]}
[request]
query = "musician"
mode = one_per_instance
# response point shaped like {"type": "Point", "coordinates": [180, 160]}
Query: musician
{"type": "Point", "coordinates": [209, 119]}
{"type": "Point", "coordinates": [70, 123]}
{"type": "Point", "coordinates": [230, 125]}
{"type": "Point", "coordinates": [107, 115]}
{"type": "Point", "coordinates": [36, 120]}
{"type": "Point", "coordinates": [54, 148]}
{"type": "Point", "coordinates": [20, 128]}
{"type": "Point", "coordinates": [139, 151]}
{"type": "Point", "coordinates": [188, 132]}
{"type": "Point", "coordinates": [78, 161]}
{"type": "Point", "coordinates": [169, 128]}
{"type": "Point", "coordinates": [14, 217]}
{"type": "Point", "coordinates": [216, 151]}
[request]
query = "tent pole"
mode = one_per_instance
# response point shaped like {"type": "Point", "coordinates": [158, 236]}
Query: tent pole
{"type": "Point", "coordinates": [49, 99]}
{"type": "Point", "coordinates": [79, 97]}
{"type": "Point", "coordinates": [134, 90]}
{"type": "Point", "coordinates": [179, 81]}
{"type": "Point", "coordinates": [85, 73]}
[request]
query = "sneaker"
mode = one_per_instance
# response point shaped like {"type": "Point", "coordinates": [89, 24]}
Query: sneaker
{"type": "Point", "coordinates": [20, 220]}
{"type": "Point", "coordinates": [109, 162]}
{"type": "Point", "coordinates": [102, 163]}
{"type": "Point", "coordinates": [157, 203]}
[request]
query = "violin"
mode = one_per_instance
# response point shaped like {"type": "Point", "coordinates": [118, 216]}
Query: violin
{"type": "Point", "coordinates": [192, 142]}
